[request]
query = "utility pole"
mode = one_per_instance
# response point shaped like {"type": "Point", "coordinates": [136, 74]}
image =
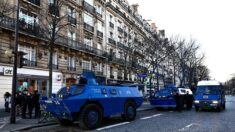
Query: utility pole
{"type": "Point", "coordinates": [14, 78]}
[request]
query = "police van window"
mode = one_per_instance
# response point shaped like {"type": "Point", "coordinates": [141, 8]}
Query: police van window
{"type": "Point", "coordinates": [207, 90]}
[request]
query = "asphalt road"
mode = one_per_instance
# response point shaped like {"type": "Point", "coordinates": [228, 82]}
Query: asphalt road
{"type": "Point", "coordinates": [166, 121]}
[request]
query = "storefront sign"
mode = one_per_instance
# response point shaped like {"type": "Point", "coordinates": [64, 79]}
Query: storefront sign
{"type": "Point", "coordinates": [7, 71]}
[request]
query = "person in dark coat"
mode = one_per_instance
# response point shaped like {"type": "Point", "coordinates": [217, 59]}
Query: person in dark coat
{"type": "Point", "coordinates": [7, 98]}
{"type": "Point", "coordinates": [19, 102]}
{"type": "Point", "coordinates": [27, 104]}
{"type": "Point", "coordinates": [179, 101]}
{"type": "Point", "coordinates": [189, 101]}
{"type": "Point", "coordinates": [36, 104]}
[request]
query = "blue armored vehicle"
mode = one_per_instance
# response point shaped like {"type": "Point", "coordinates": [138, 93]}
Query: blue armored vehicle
{"type": "Point", "coordinates": [88, 102]}
{"type": "Point", "coordinates": [164, 98]}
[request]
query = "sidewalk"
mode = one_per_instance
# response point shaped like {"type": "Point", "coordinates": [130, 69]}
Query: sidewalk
{"type": "Point", "coordinates": [25, 124]}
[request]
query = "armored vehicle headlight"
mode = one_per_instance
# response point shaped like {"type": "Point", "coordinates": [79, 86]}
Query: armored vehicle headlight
{"type": "Point", "coordinates": [215, 102]}
{"type": "Point", "coordinates": [196, 101]}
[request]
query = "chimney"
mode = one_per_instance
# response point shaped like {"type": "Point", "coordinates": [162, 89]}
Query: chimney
{"type": "Point", "coordinates": [135, 8]}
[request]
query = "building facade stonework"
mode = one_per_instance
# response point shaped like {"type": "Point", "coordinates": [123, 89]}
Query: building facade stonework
{"type": "Point", "coordinates": [107, 37]}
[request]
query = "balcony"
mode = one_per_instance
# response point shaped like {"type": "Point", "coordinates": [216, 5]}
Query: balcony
{"type": "Point", "coordinates": [71, 68]}
{"type": "Point", "coordinates": [111, 24]}
{"type": "Point", "coordinates": [89, 8]}
{"type": "Point", "coordinates": [99, 34]}
{"type": "Point", "coordinates": [111, 41]}
{"type": "Point", "coordinates": [120, 30]}
{"type": "Point", "coordinates": [67, 42]}
{"type": "Point", "coordinates": [72, 20]}
{"type": "Point", "coordinates": [36, 2]}
{"type": "Point", "coordinates": [89, 28]}
{"type": "Point", "coordinates": [121, 45]}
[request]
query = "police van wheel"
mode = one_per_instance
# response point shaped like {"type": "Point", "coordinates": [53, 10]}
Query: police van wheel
{"type": "Point", "coordinates": [90, 117]}
{"type": "Point", "coordinates": [65, 122]}
{"type": "Point", "coordinates": [130, 111]}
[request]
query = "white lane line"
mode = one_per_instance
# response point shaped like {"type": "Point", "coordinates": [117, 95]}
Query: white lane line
{"type": "Point", "coordinates": [187, 127]}
{"type": "Point", "coordinates": [148, 117]}
{"type": "Point", "coordinates": [107, 127]}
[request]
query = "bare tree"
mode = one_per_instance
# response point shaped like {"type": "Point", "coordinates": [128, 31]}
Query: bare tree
{"type": "Point", "coordinates": [53, 21]}
{"type": "Point", "coordinates": [6, 8]}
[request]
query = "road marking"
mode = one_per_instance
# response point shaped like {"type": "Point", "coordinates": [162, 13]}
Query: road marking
{"type": "Point", "coordinates": [107, 127]}
{"type": "Point", "coordinates": [187, 127]}
{"type": "Point", "coordinates": [148, 117]}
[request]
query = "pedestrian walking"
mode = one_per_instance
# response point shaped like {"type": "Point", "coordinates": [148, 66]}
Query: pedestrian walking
{"type": "Point", "coordinates": [7, 98]}
{"type": "Point", "coordinates": [36, 104]}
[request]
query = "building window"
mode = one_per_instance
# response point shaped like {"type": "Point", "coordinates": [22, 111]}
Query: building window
{"type": "Point", "coordinates": [36, 2]}
{"type": "Point", "coordinates": [72, 15]}
{"type": "Point", "coordinates": [99, 26]}
{"type": "Point", "coordinates": [72, 35]}
{"type": "Point", "coordinates": [30, 54]}
{"type": "Point", "coordinates": [91, 2]}
{"type": "Point", "coordinates": [88, 19]}
{"type": "Point", "coordinates": [111, 34]}
{"type": "Point", "coordinates": [99, 67]}
{"type": "Point", "coordinates": [53, 7]}
{"type": "Point", "coordinates": [86, 65]}
{"type": "Point", "coordinates": [71, 63]}
{"type": "Point", "coordinates": [27, 19]}
{"type": "Point", "coordinates": [99, 9]}
{"type": "Point", "coordinates": [88, 41]}
{"type": "Point", "coordinates": [55, 58]}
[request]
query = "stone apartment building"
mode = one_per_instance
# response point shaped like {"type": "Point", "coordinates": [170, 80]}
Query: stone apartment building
{"type": "Point", "coordinates": [103, 36]}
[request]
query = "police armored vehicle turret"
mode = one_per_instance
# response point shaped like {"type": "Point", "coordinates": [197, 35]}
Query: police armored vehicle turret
{"type": "Point", "coordinates": [88, 102]}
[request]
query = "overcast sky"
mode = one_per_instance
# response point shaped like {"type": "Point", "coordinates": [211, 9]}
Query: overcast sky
{"type": "Point", "coordinates": [210, 22]}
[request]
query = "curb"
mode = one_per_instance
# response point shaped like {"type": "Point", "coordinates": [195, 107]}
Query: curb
{"type": "Point", "coordinates": [33, 126]}
{"type": "Point", "coordinates": [54, 123]}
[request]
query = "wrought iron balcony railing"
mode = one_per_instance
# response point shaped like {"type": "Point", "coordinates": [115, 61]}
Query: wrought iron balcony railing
{"type": "Point", "coordinates": [88, 27]}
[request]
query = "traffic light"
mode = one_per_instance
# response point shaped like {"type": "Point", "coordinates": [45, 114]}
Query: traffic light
{"type": "Point", "coordinates": [22, 61]}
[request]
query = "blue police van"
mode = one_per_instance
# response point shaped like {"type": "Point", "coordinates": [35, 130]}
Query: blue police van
{"type": "Point", "coordinates": [88, 102]}
{"type": "Point", "coordinates": [209, 95]}
{"type": "Point", "coordinates": [164, 98]}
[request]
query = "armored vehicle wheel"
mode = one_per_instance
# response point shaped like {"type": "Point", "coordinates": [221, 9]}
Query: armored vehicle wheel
{"type": "Point", "coordinates": [65, 122]}
{"type": "Point", "coordinates": [90, 117]}
{"type": "Point", "coordinates": [130, 111]}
